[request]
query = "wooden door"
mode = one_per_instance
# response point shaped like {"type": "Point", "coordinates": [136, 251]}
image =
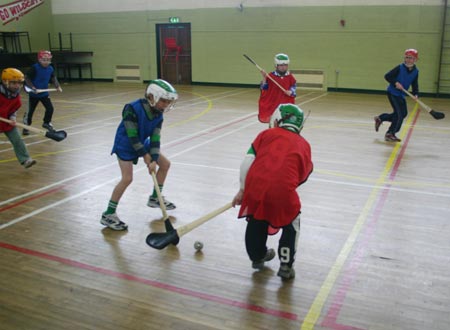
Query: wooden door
{"type": "Point", "coordinates": [174, 60]}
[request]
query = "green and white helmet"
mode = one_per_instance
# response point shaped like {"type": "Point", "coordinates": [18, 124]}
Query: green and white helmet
{"type": "Point", "coordinates": [281, 59]}
{"type": "Point", "coordinates": [160, 88]}
{"type": "Point", "coordinates": [288, 116]}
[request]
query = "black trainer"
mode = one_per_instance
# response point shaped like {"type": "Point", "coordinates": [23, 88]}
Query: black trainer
{"type": "Point", "coordinates": [48, 127]}
{"type": "Point", "coordinates": [270, 254]}
{"type": "Point", "coordinates": [286, 272]}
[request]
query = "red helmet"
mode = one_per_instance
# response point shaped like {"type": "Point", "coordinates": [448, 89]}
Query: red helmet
{"type": "Point", "coordinates": [412, 52]}
{"type": "Point", "coordinates": [44, 53]}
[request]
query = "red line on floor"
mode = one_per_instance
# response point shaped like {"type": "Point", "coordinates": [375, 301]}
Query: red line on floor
{"type": "Point", "coordinates": [351, 271]}
{"type": "Point", "coordinates": [25, 200]}
{"type": "Point", "coordinates": [160, 285]}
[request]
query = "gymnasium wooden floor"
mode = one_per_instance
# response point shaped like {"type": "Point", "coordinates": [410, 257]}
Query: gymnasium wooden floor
{"type": "Point", "coordinates": [374, 251]}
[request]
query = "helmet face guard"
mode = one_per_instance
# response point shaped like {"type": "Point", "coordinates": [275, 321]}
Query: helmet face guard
{"type": "Point", "coordinates": [411, 53]}
{"type": "Point", "coordinates": [45, 56]}
{"type": "Point", "coordinates": [288, 116]}
{"type": "Point", "coordinates": [161, 89]}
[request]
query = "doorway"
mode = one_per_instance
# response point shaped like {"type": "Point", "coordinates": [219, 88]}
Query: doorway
{"type": "Point", "coordinates": [174, 52]}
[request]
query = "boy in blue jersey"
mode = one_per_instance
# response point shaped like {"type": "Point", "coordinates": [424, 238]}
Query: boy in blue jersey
{"type": "Point", "coordinates": [38, 77]}
{"type": "Point", "coordinates": [138, 135]}
{"type": "Point", "coordinates": [400, 78]}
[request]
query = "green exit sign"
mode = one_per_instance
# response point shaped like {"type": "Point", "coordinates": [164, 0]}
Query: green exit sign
{"type": "Point", "coordinates": [174, 20]}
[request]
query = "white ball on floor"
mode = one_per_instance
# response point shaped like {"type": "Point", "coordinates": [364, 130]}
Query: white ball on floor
{"type": "Point", "coordinates": [198, 245]}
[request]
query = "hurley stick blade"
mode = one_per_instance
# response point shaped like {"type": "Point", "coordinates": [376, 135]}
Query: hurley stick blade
{"type": "Point", "coordinates": [161, 240]}
{"type": "Point", "coordinates": [56, 135]}
{"type": "Point", "coordinates": [437, 115]}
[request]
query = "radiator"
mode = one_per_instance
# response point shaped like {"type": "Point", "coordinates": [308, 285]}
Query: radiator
{"type": "Point", "coordinates": [128, 73]}
{"type": "Point", "coordinates": [310, 79]}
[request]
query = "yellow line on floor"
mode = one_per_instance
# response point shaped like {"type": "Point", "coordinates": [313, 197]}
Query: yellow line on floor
{"type": "Point", "coordinates": [316, 308]}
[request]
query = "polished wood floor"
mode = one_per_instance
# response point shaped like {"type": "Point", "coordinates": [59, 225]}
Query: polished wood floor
{"type": "Point", "coordinates": [374, 251]}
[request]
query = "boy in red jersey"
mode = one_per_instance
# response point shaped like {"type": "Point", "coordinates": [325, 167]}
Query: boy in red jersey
{"type": "Point", "coordinates": [278, 161]}
{"type": "Point", "coordinates": [10, 103]}
{"type": "Point", "coordinates": [271, 94]}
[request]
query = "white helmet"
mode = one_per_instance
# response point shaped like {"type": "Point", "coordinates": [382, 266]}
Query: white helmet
{"type": "Point", "coordinates": [281, 59]}
{"type": "Point", "coordinates": [161, 89]}
{"type": "Point", "coordinates": [288, 116]}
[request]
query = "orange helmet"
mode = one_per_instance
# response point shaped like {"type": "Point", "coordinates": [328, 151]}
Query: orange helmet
{"type": "Point", "coordinates": [44, 53]}
{"type": "Point", "coordinates": [412, 52]}
{"type": "Point", "coordinates": [11, 74]}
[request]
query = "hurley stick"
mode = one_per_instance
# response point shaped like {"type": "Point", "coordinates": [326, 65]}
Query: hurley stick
{"type": "Point", "coordinates": [435, 114]}
{"type": "Point", "coordinates": [161, 240]}
{"type": "Point", "coordinates": [37, 91]}
{"type": "Point", "coordinates": [54, 135]}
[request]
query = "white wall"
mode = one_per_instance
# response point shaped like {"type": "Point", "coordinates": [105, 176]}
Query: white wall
{"type": "Point", "coordinates": [101, 6]}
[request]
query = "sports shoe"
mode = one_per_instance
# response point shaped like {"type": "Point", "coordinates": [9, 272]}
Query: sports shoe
{"type": "Point", "coordinates": [270, 254]}
{"type": "Point", "coordinates": [25, 132]}
{"type": "Point", "coordinates": [389, 137]}
{"type": "Point", "coordinates": [378, 123]}
{"type": "Point", "coordinates": [112, 221]}
{"type": "Point", "coordinates": [28, 163]}
{"type": "Point", "coordinates": [286, 272]}
{"type": "Point", "coordinates": [154, 202]}
{"type": "Point", "coordinates": [48, 126]}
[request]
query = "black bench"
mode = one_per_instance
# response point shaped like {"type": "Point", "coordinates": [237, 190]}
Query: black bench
{"type": "Point", "coordinates": [66, 68]}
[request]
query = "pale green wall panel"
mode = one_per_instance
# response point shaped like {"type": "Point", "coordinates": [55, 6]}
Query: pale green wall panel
{"type": "Point", "coordinates": [116, 38]}
{"type": "Point", "coordinates": [371, 43]}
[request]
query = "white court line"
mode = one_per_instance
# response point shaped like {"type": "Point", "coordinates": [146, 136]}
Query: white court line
{"type": "Point", "coordinates": [26, 216]}
{"type": "Point", "coordinates": [384, 187]}
{"type": "Point", "coordinates": [33, 192]}
{"type": "Point", "coordinates": [105, 123]}
{"type": "Point", "coordinates": [114, 163]}
{"type": "Point", "coordinates": [313, 99]}
{"type": "Point", "coordinates": [122, 104]}
{"type": "Point", "coordinates": [168, 145]}
{"type": "Point", "coordinates": [124, 93]}
{"type": "Point", "coordinates": [10, 223]}
{"type": "Point", "coordinates": [337, 182]}
{"type": "Point", "coordinates": [107, 96]}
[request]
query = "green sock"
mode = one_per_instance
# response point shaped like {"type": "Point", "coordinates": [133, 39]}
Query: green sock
{"type": "Point", "coordinates": [155, 195]}
{"type": "Point", "coordinates": [112, 206]}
